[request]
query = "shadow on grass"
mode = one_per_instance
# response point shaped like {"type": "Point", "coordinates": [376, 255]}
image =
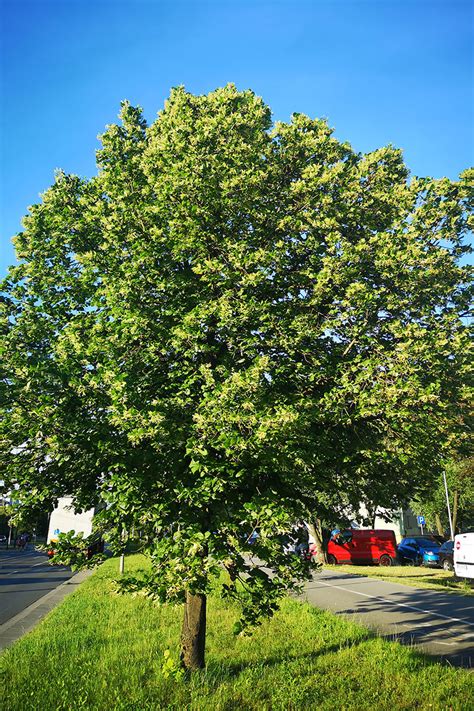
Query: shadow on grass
{"type": "Point", "coordinates": [463, 659]}
{"type": "Point", "coordinates": [233, 669]}
{"type": "Point", "coordinates": [216, 671]}
{"type": "Point", "coordinates": [427, 629]}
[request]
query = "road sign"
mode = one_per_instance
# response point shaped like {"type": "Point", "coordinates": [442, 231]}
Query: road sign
{"type": "Point", "coordinates": [421, 520]}
{"type": "Point", "coordinates": [57, 531]}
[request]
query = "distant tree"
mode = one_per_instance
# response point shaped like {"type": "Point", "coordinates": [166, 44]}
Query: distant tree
{"type": "Point", "coordinates": [4, 519]}
{"type": "Point", "coordinates": [233, 324]}
{"type": "Point", "coordinates": [31, 518]}
{"type": "Point", "coordinates": [432, 503]}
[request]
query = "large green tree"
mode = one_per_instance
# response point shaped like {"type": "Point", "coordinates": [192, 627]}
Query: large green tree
{"type": "Point", "coordinates": [233, 323]}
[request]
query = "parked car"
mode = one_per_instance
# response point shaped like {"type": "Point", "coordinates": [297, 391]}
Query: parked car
{"type": "Point", "coordinates": [374, 546]}
{"type": "Point", "coordinates": [445, 554]}
{"type": "Point", "coordinates": [464, 556]}
{"type": "Point", "coordinates": [3, 540]}
{"type": "Point", "coordinates": [419, 550]}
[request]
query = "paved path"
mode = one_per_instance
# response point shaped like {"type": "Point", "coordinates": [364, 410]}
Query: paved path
{"type": "Point", "coordinates": [26, 576]}
{"type": "Point", "coordinates": [440, 624]}
{"type": "Point", "coordinates": [29, 589]}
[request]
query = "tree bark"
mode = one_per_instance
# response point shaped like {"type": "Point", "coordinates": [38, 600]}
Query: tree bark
{"type": "Point", "coordinates": [122, 555]}
{"type": "Point", "coordinates": [439, 525]}
{"type": "Point", "coordinates": [193, 634]}
{"type": "Point", "coordinates": [455, 510]}
{"type": "Point", "coordinates": [373, 517]}
{"type": "Point", "coordinates": [315, 530]}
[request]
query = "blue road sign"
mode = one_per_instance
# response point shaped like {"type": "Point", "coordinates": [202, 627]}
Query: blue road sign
{"type": "Point", "coordinates": [57, 531]}
{"type": "Point", "coordinates": [421, 520]}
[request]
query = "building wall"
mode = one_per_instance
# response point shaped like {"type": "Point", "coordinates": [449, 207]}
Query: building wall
{"type": "Point", "coordinates": [63, 519]}
{"type": "Point", "coordinates": [402, 522]}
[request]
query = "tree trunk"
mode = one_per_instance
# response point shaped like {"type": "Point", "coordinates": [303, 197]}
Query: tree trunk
{"type": "Point", "coordinates": [373, 517]}
{"type": "Point", "coordinates": [123, 539]}
{"type": "Point", "coordinates": [455, 511]}
{"type": "Point", "coordinates": [193, 634]}
{"type": "Point", "coordinates": [439, 525]}
{"type": "Point", "coordinates": [316, 532]}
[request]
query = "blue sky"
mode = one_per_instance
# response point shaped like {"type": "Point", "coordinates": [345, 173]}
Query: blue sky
{"type": "Point", "coordinates": [398, 71]}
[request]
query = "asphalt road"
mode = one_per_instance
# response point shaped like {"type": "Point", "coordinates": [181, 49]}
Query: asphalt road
{"type": "Point", "coordinates": [440, 624]}
{"type": "Point", "coordinates": [25, 576]}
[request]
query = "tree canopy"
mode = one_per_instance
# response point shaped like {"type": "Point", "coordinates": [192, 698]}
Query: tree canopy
{"type": "Point", "coordinates": [232, 323]}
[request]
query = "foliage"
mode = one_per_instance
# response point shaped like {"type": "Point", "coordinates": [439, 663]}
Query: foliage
{"type": "Point", "coordinates": [5, 511]}
{"type": "Point", "coordinates": [231, 324]}
{"type": "Point", "coordinates": [31, 516]}
{"type": "Point", "coordinates": [74, 550]}
{"type": "Point", "coordinates": [432, 503]}
{"type": "Point", "coordinates": [172, 667]}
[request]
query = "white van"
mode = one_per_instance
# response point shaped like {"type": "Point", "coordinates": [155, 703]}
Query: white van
{"type": "Point", "coordinates": [464, 555]}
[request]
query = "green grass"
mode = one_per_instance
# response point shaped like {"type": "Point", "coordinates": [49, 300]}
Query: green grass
{"type": "Point", "coordinates": [101, 651]}
{"type": "Point", "coordinates": [419, 577]}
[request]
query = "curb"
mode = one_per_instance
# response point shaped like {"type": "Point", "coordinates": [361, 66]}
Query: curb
{"type": "Point", "coordinates": [28, 618]}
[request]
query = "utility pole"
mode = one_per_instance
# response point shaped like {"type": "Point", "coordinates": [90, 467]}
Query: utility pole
{"type": "Point", "coordinates": [449, 508]}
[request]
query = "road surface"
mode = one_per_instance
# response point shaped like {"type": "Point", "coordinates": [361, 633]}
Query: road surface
{"type": "Point", "coordinates": [25, 576]}
{"type": "Point", "coordinates": [438, 623]}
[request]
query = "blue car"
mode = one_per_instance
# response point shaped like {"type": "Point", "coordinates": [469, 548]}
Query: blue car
{"type": "Point", "coordinates": [419, 550]}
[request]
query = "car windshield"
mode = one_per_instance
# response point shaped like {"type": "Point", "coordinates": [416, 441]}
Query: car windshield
{"type": "Point", "coordinates": [427, 543]}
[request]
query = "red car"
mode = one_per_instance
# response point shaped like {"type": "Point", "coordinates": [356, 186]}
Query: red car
{"type": "Point", "coordinates": [375, 546]}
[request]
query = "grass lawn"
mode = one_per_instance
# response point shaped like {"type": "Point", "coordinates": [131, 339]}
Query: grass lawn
{"type": "Point", "coordinates": [419, 577]}
{"type": "Point", "coordinates": [100, 651]}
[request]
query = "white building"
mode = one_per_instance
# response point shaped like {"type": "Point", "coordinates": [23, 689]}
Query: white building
{"type": "Point", "coordinates": [63, 519]}
{"type": "Point", "coordinates": [402, 522]}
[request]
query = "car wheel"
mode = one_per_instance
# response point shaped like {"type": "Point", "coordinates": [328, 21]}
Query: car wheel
{"type": "Point", "coordinates": [385, 560]}
{"type": "Point", "coordinates": [447, 565]}
{"type": "Point", "coordinates": [332, 560]}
